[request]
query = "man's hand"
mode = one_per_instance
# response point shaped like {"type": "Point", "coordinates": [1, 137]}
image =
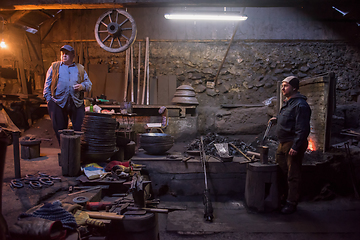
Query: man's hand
{"type": "Point", "coordinates": [78, 87]}
{"type": "Point", "coordinates": [273, 120]}
{"type": "Point", "coordinates": [292, 152]}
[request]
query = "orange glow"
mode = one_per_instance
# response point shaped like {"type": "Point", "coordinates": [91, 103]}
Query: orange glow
{"type": "Point", "coordinates": [311, 145]}
{"type": "Point", "coordinates": [3, 44]}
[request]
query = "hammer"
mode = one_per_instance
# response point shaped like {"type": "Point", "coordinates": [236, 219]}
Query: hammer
{"type": "Point", "coordinates": [72, 188]}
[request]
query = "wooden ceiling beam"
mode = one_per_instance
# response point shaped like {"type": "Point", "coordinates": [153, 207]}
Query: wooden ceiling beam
{"type": "Point", "coordinates": [62, 6]}
{"type": "Point", "coordinates": [17, 16]}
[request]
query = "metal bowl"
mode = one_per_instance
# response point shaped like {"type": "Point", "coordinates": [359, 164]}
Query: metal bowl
{"type": "Point", "coordinates": [156, 143]}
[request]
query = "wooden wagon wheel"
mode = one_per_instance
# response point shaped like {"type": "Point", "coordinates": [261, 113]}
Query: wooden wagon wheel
{"type": "Point", "coordinates": [115, 30]}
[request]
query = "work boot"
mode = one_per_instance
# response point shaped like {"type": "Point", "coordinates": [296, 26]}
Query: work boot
{"type": "Point", "coordinates": [289, 208]}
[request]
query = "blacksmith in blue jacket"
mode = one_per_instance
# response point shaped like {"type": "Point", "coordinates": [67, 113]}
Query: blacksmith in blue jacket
{"type": "Point", "coordinates": [64, 89]}
{"type": "Point", "coordinates": [293, 128]}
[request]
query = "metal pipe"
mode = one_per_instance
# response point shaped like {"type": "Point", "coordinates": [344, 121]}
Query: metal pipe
{"type": "Point", "coordinates": [16, 154]}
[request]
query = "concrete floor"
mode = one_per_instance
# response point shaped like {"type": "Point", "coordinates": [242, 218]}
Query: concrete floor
{"type": "Point", "coordinates": [332, 220]}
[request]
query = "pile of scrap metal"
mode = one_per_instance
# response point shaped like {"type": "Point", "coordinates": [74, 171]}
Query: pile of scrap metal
{"type": "Point", "coordinates": [211, 139]}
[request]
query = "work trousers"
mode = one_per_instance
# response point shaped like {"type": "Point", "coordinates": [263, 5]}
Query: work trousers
{"type": "Point", "coordinates": [60, 116]}
{"type": "Point", "coordinates": [290, 171]}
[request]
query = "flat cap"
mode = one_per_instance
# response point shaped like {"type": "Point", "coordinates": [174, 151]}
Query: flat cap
{"type": "Point", "coordinates": [67, 47]}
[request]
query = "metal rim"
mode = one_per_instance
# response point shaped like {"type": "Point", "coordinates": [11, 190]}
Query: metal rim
{"type": "Point", "coordinates": [115, 30]}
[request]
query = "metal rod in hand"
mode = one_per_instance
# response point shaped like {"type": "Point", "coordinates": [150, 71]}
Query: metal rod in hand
{"type": "Point", "coordinates": [208, 211]}
{"type": "Point", "coordinates": [266, 132]}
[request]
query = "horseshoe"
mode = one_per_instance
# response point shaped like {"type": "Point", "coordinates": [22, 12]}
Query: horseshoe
{"type": "Point", "coordinates": [115, 30]}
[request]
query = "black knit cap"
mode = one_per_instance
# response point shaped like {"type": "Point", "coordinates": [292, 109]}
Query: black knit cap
{"type": "Point", "coordinates": [293, 81]}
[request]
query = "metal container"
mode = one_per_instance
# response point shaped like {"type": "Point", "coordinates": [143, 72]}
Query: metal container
{"type": "Point", "coordinates": [156, 143]}
{"type": "Point", "coordinates": [264, 152]}
{"type": "Point", "coordinates": [134, 227]}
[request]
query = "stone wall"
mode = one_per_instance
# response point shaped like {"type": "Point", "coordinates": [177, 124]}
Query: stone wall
{"type": "Point", "coordinates": [249, 75]}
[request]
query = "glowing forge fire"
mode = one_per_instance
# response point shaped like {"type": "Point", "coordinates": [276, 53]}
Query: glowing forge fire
{"type": "Point", "coordinates": [311, 145]}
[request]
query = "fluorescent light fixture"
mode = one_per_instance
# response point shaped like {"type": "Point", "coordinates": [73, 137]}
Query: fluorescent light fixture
{"type": "Point", "coordinates": [30, 29]}
{"type": "Point", "coordinates": [342, 12]}
{"type": "Point", "coordinates": [2, 44]}
{"type": "Point", "coordinates": [215, 16]}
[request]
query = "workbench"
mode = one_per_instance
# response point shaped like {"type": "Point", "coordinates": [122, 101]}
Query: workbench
{"type": "Point", "coordinates": [142, 110]}
{"type": "Point", "coordinates": [168, 172]}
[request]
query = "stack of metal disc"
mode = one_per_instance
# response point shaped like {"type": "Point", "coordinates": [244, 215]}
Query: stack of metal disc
{"type": "Point", "coordinates": [99, 138]}
{"type": "Point", "coordinates": [185, 95]}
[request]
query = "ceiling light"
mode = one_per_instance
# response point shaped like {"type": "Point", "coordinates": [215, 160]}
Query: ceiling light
{"type": "Point", "coordinates": [343, 13]}
{"type": "Point", "coordinates": [30, 30]}
{"type": "Point", "coordinates": [2, 44]}
{"type": "Point", "coordinates": [215, 16]}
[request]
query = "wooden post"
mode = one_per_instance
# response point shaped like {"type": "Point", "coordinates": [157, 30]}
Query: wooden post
{"type": "Point", "coordinates": [16, 151]}
{"type": "Point", "coordinates": [331, 103]}
{"type": "Point", "coordinates": [281, 97]}
{"type": "Point", "coordinates": [127, 59]}
{"type": "Point", "coordinates": [139, 73]}
{"type": "Point", "coordinates": [147, 72]}
{"type": "Point", "coordinates": [22, 74]}
{"type": "Point", "coordinates": [132, 72]}
{"type": "Point", "coordinates": [278, 97]}
{"type": "Point", "coordinates": [70, 154]}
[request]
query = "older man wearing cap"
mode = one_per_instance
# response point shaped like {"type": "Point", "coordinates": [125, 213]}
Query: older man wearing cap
{"type": "Point", "coordinates": [64, 89]}
{"type": "Point", "coordinates": [293, 128]}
